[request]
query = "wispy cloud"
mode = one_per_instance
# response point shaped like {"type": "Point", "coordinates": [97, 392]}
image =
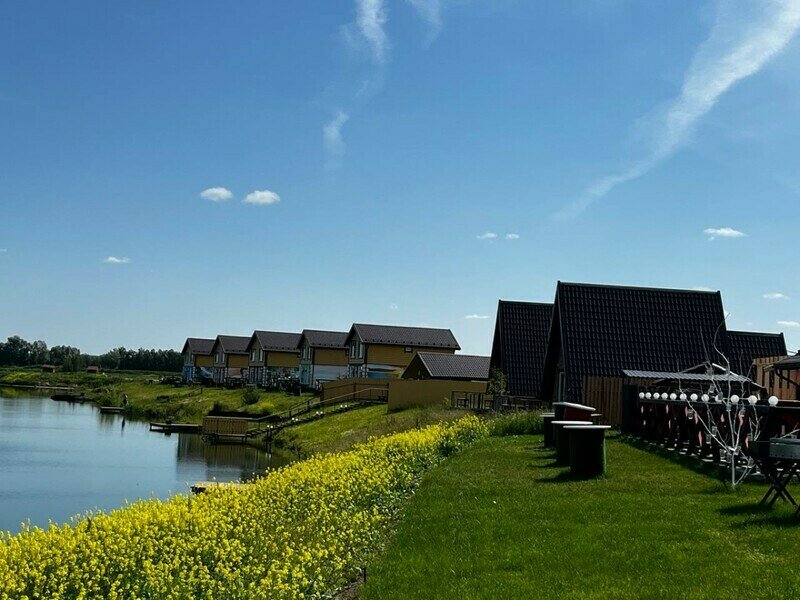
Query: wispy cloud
{"type": "Point", "coordinates": [216, 194]}
{"type": "Point", "coordinates": [471, 317]}
{"type": "Point", "coordinates": [512, 236]}
{"type": "Point", "coordinates": [789, 324]}
{"type": "Point", "coordinates": [332, 137]}
{"type": "Point", "coordinates": [431, 12]}
{"type": "Point", "coordinates": [3, 250]}
{"type": "Point", "coordinates": [723, 232]}
{"type": "Point", "coordinates": [262, 197]}
{"type": "Point", "coordinates": [370, 19]}
{"type": "Point", "coordinates": [488, 235]}
{"type": "Point", "coordinates": [775, 296]}
{"type": "Point", "coordinates": [741, 42]}
{"type": "Point", "coordinates": [117, 260]}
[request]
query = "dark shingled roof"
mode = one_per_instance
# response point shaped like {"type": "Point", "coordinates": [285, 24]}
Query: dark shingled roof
{"type": "Point", "coordinates": [234, 344]}
{"type": "Point", "coordinates": [425, 337]}
{"type": "Point", "coordinates": [603, 329]}
{"type": "Point", "coordinates": [440, 365]}
{"type": "Point", "coordinates": [789, 363]}
{"type": "Point", "coordinates": [746, 346]}
{"type": "Point", "coordinates": [520, 344]}
{"type": "Point", "coordinates": [277, 341]}
{"type": "Point", "coordinates": [199, 345]}
{"type": "Point", "coordinates": [324, 339]}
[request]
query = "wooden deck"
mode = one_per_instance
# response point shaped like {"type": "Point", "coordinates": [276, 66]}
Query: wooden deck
{"type": "Point", "coordinates": [175, 427]}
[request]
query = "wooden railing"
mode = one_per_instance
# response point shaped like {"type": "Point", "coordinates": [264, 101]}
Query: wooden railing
{"type": "Point", "coordinates": [479, 401]}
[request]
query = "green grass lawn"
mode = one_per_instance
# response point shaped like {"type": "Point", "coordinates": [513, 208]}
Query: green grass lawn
{"type": "Point", "coordinates": [500, 521]}
{"type": "Point", "coordinates": [341, 431]}
{"type": "Point", "coordinates": [149, 399]}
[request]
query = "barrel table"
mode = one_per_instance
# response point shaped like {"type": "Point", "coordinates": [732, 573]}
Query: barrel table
{"type": "Point", "coordinates": [561, 439]}
{"type": "Point", "coordinates": [547, 424]}
{"type": "Point", "coordinates": [566, 411]}
{"type": "Point", "coordinates": [587, 450]}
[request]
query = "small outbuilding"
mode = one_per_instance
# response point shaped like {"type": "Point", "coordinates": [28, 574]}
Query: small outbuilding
{"type": "Point", "coordinates": [455, 367]}
{"type": "Point", "coordinates": [48, 368]}
{"type": "Point", "coordinates": [93, 369]}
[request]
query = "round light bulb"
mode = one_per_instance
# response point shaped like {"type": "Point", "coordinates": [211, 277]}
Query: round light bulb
{"type": "Point", "coordinates": [752, 399]}
{"type": "Point", "coordinates": [693, 397]}
{"type": "Point", "coordinates": [773, 401]}
{"type": "Point", "coordinates": [704, 397]}
{"type": "Point", "coordinates": [648, 395]}
{"type": "Point", "coordinates": [718, 398]}
{"type": "Point", "coordinates": [657, 396]}
{"type": "Point", "coordinates": [683, 397]}
{"type": "Point", "coordinates": [641, 395]}
{"type": "Point", "coordinates": [673, 396]}
{"type": "Point", "coordinates": [734, 399]}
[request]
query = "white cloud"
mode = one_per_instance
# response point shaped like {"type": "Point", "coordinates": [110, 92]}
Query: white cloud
{"type": "Point", "coordinates": [216, 194]}
{"type": "Point", "coordinates": [262, 197]}
{"type": "Point", "coordinates": [431, 12]}
{"type": "Point", "coordinates": [117, 260]}
{"type": "Point", "coordinates": [724, 232]}
{"type": "Point", "coordinates": [370, 19]}
{"type": "Point", "coordinates": [512, 236]}
{"type": "Point", "coordinates": [393, 306]}
{"type": "Point", "coordinates": [332, 137]}
{"type": "Point", "coordinates": [775, 296]}
{"type": "Point", "coordinates": [477, 317]}
{"type": "Point", "coordinates": [741, 42]}
{"type": "Point", "coordinates": [3, 250]}
{"type": "Point", "coordinates": [788, 323]}
{"type": "Point", "coordinates": [489, 235]}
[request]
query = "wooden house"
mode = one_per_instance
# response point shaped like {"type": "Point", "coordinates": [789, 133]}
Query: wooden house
{"type": "Point", "coordinates": [272, 356]}
{"type": "Point", "coordinates": [453, 367]}
{"type": "Point", "coordinates": [780, 375]}
{"type": "Point", "coordinates": [48, 368]}
{"type": "Point", "coordinates": [93, 370]}
{"type": "Point", "coordinates": [747, 346]}
{"type": "Point", "coordinates": [198, 360]}
{"type": "Point", "coordinates": [323, 356]}
{"type": "Point", "coordinates": [230, 358]}
{"type": "Point", "coordinates": [386, 350]}
{"type": "Point", "coordinates": [520, 343]}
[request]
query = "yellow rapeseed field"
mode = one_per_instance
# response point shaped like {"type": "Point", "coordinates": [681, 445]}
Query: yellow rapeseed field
{"type": "Point", "coordinates": [300, 532]}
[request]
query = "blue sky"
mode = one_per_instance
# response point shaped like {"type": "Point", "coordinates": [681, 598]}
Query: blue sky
{"type": "Point", "coordinates": [379, 142]}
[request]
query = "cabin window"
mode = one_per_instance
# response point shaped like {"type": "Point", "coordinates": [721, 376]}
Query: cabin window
{"type": "Point", "coordinates": [356, 349]}
{"type": "Point", "coordinates": [307, 352]}
{"type": "Point", "coordinates": [409, 349]}
{"type": "Point", "coordinates": [220, 357]}
{"type": "Point", "coordinates": [261, 355]}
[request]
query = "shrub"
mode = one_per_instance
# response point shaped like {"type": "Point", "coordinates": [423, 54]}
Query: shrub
{"type": "Point", "coordinates": [516, 424]}
{"type": "Point", "coordinates": [299, 532]}
{"type": "Point", "coordinates": [250, 395]}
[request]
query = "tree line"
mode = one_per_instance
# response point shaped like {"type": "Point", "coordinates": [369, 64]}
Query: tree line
{"type": "Point", "coordinates": [19, 352]}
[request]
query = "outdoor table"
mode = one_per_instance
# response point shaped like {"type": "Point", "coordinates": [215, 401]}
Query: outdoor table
{"type": "Point", "coordinates": [566, 411]}
{"type": "Point", "coordinates": [587, 449]}
{"type": "Point", "coordinates": [778, 470]}
{"type": "Point", "coordinates": [547, 424]}
{"type": "Point", "coordinates": [561, 439]}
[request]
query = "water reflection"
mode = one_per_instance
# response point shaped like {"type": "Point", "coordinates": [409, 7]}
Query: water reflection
{"type": "Point", "coordinates": [58, 459]}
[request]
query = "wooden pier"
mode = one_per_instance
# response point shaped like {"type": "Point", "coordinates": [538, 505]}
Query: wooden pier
{"type": "Point", "coordinates": [175, 427]}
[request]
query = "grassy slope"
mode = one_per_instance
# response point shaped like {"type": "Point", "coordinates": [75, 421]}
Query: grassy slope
{"type": "Point", "coordinates": [151, 400]}
{"type": "Point", "coordinates": [499, 521]}
{"type": "Point", "coordinates": [340, 432]}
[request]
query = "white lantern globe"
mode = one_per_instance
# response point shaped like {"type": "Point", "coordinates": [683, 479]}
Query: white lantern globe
{"type": "Point", "coordinates": [734, 399]}
{"type": "Point", "coordinates": [773, 401]}
{"type": "Point", "coordinates": [648, 395]}
{"type": "Point", "coordinates": [683, 397]}
{"type": "Point", "coordinates": [704, 397]}
{"type": "Point", "coordinates": [752, 399]}
{"type": "Point", "coordinates": [673, 396]}
{"type": "Point", "coordinates": [641, 395]}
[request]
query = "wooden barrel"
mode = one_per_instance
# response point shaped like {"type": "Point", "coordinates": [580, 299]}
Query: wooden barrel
{"type": "Point", "coordinates": [561, 439]}
{"type": "Point", "coordinates": [547, 423]}
{"type": "Point", "coordinates": [587, 450]}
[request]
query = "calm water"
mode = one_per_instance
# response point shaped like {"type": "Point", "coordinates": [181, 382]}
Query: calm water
{"type": "Point", "coordinates": [58, 459]}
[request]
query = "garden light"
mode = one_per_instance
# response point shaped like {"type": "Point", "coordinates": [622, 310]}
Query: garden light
{"type": "Point", "coordinates": [773, 401]}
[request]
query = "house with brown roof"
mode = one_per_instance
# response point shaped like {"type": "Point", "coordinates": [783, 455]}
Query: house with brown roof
{"type": "Point", "coordinates": [323, 356]}
{"type": "Point", "coordinates": [272, 356]}
{"type": "Point", "coordinates": [230, 358]}
{"type": "Point", "coordinates": [386, 350]}
{"type": "Point", "coordinates": [197, 359]}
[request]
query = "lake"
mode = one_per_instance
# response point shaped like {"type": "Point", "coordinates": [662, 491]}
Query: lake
{"type": "Point", "coordinates": [58, 459]}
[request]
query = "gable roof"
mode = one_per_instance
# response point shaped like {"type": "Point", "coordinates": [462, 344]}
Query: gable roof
{"type": "Point", "coordinates": [198, 346]}
{"type": "Point", "coordinates": [395, 335]}
{"type": "Point", "coordinates": [276, 341]}
{"type": "Point", "coordinates": [233, 344]}
{"type": "Point", "coordinates": [317, 338]}
{"type": "Point", "coordinates": [440, 365]}
{"type": "Point", "coordinates": [520, 344]}
{"type": "Point", "coordinates": [746, 346]}
{"type": "Point", "coordinates": [603, 329]}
